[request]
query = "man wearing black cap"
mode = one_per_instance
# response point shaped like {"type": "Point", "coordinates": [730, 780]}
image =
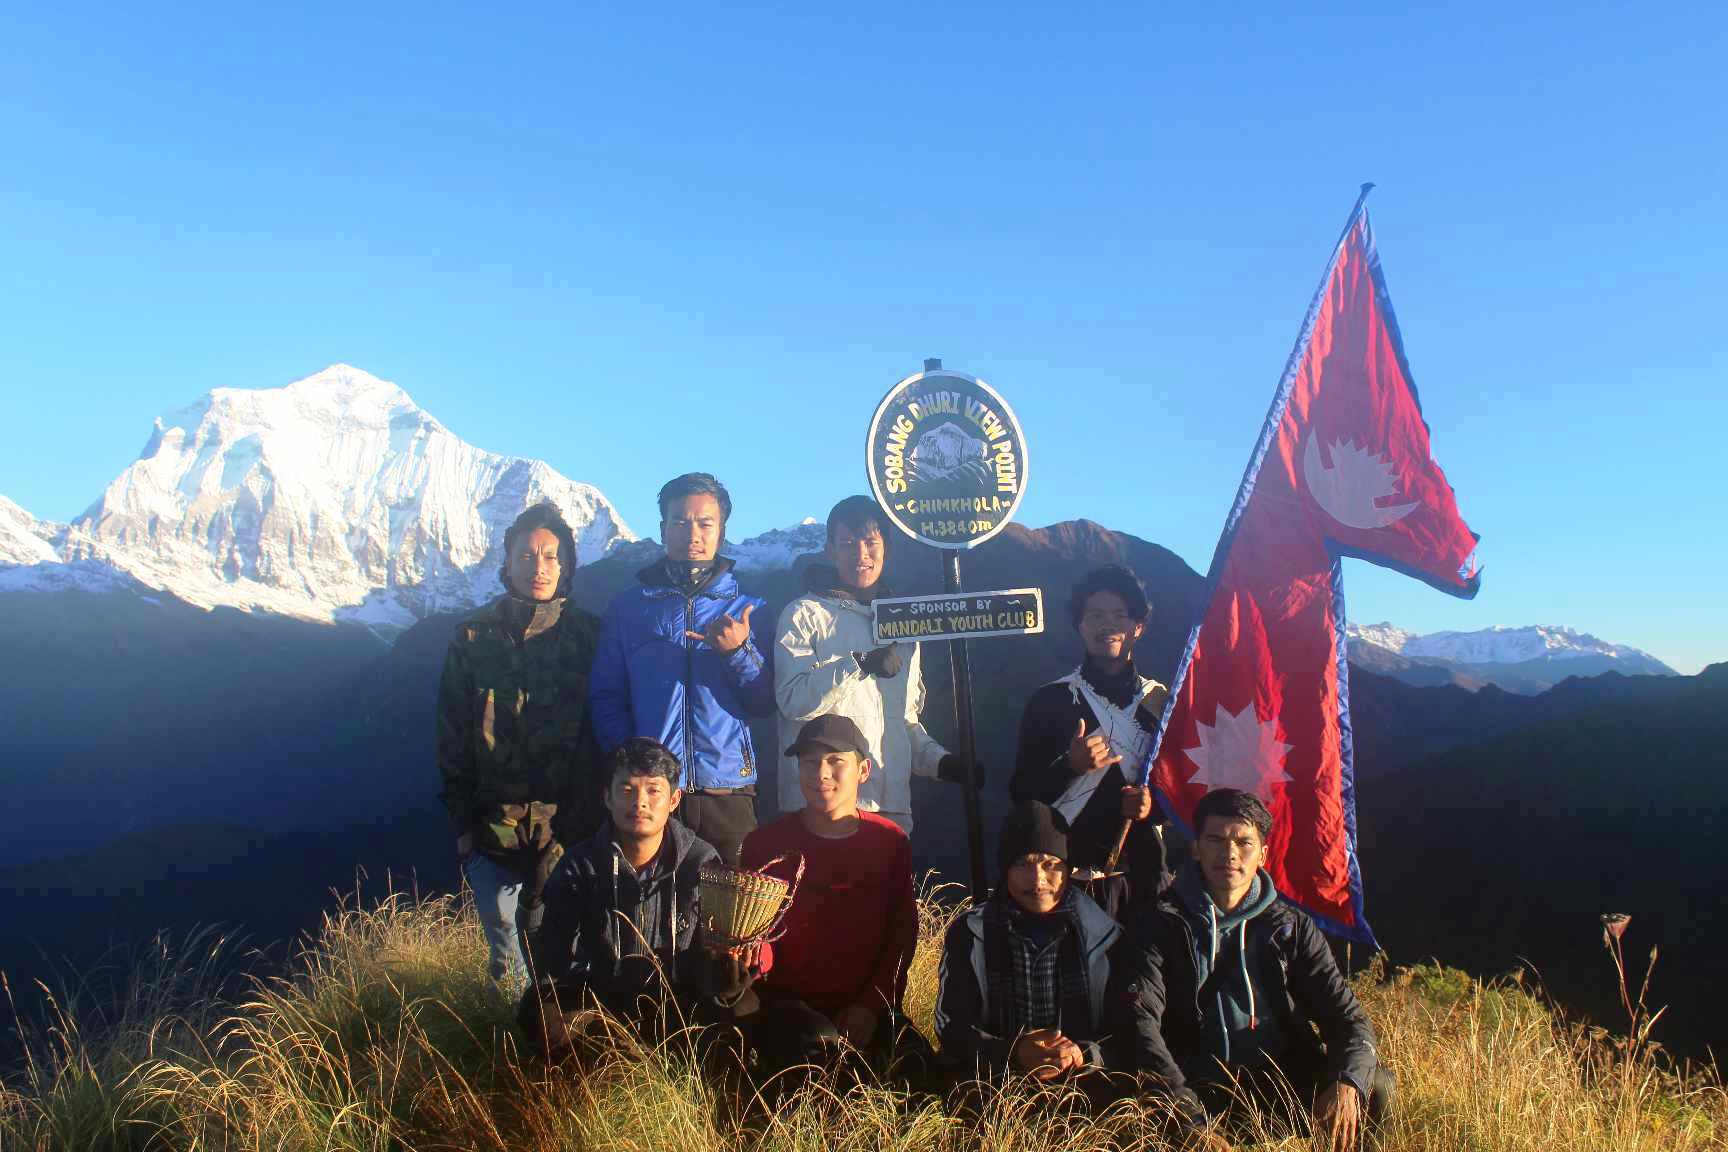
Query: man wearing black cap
{"type": "Point", "coordinates": [840, 966]}
{"type": "Point", "coordinates": [1023, 977]}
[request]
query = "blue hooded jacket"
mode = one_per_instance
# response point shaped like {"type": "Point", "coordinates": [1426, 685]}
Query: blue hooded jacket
{"type": "Point", "coordinates": [650, 679]}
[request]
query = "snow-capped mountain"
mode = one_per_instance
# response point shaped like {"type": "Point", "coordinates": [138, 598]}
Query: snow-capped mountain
{"type": "Point", "coordinates": [778, 548]}
{"type": "Point", "coordinates": [1518, 659]}
{"type": "Point", "coordinates": [333, 498]}
{"type": "Point", "coordinates": [1497, 645]}
{"type": "Point", "coordinates": [1380, 635]}
{"type": "Point", "coordinates": [23, 539]}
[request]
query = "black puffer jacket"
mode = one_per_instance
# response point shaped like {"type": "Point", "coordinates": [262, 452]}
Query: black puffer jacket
{"type": "Point", "coordinates": [1294, 975]}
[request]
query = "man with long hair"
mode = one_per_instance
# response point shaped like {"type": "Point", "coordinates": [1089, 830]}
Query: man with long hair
{"type": "Point", "coordinates": [514, 747]}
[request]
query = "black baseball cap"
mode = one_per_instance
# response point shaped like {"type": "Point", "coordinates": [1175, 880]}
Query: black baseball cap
{"type": "Point", "coordinates": [830, 733]}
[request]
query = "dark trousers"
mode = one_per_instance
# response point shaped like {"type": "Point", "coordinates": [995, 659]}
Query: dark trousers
{"type": "Point", "coordinates": [792, 1041]}
{"type": "Point", "coordinates": [565, 1020]}
{"type": "Point", "coordinates": [721, 818]}
{"type": "Point", "coordinates": [561, 1016]}
{"type": "Point", "coordinates": [1089, 1090]}
{"type": "Point", "coordinates": [1296, 1084]}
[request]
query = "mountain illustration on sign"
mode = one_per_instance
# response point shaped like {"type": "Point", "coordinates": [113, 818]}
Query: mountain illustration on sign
{"type": "Point", "coordinates": [1349, 488]}
{"type": "Point", "coordinates": [947, 452]}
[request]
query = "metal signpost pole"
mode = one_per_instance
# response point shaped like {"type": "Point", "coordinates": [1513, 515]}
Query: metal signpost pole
{"type": "Point", "coordinates": [947, 464]}
{"type": "Point", "coordinates": [962, 663]}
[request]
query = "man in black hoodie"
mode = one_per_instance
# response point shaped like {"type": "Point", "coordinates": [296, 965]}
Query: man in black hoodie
{"type": "Point", "coordinates": [621, 930]}
{"type": "Point", "coordinates": [1229, 981]}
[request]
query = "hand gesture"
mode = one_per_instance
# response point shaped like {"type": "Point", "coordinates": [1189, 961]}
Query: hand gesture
{"type": "Point", "coordinates": [1136, 802]}
{"type": "Point", "coordinates": [883, 661]}
{"type": "Point", "coordinates": [736, 970]}
{"type": "Point", "coordinates": [724, 634]}
{"type": "Point", "coordinates": [1151, 708]}
{"type": "Point", "coordinates": [464, 847]}
{"type": "Point", "coordinates": [1044, 1053]}
{"type": "Point", "coordinates": [1338, 1115]}
{"type": "Point", "coordinates": [1089, 753]}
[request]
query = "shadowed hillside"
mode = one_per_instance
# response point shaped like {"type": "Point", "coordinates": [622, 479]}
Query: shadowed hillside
{"type": "Point", "coordinates": [204, 767]}
{"type": "Point", "coordinates": [1511, 848]}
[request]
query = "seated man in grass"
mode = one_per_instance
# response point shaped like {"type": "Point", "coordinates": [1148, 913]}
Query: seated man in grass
{"type": "Point", "coordinates": [1230, 982]}
{"type": "Point", "coordinates": [621, 929]}
{"type": "Point", "coordinates": [1023, 979]}
{"type": "Point", "coordinates": [840, 966]}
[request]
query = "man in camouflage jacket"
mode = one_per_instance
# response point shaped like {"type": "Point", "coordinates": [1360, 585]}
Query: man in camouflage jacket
{"type": "Point", "coordinates": [514, 745]}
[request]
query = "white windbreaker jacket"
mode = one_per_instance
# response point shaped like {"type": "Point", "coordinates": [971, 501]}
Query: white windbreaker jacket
{"type": "Point", "coordinates": [815, 674]}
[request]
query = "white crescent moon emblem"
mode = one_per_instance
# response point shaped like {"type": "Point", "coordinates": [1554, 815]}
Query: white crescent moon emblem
{"type": "Point", "coordinates": [1347, 491]}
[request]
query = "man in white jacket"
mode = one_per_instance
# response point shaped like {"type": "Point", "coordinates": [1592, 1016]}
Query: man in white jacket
{"type": "Point", "coordinates": [826, 660]}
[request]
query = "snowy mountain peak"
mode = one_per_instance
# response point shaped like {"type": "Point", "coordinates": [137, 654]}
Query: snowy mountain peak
{"type": "Point", "coordinates": [1382, 634]}
{"type": "Point", "coordinates": [332, 498]}
{"type": "Point", "coordinates": [778, 547]}
{"type": "Point", "coordinates": [23, 539]}
{"type": "Point", "coordinates": [347, 383]}
{"type": "Point", "coordinates": [1502, 646]}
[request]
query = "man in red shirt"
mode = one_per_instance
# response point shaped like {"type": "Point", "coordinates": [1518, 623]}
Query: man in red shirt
{"type": "Point", "coordinates": [840, 966]}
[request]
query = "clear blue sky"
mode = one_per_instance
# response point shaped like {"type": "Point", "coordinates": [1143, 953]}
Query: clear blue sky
{"type": "Point", "coordinates": [633, 240]}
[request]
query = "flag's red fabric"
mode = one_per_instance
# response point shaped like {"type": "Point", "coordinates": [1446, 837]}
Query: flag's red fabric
{"type": "Point", "coordinates": [1342, 468]}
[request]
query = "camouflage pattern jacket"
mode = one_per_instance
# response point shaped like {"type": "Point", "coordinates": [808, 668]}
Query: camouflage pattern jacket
{"type": "Point", "coordinates": [514, 743]}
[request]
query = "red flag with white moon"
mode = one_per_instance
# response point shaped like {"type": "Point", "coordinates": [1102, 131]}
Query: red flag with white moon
{"type": "Point", "coordinates": [1342, 468]}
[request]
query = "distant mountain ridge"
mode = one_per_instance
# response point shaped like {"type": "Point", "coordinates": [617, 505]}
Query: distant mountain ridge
{"type": "Point", "coordinates": [336, 499]}
{"type": "Point", "coordinates": [1526, 660]}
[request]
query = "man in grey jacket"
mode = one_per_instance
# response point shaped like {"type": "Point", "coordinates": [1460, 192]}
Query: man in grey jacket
{"type": "Point", "coordinates": [1022, 987]}
{"type": "Point", "coordinates": [826, 661]}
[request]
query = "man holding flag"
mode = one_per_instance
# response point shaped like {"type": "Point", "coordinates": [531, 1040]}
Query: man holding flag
{"type": "Point", "coordinates": [1081, 737]}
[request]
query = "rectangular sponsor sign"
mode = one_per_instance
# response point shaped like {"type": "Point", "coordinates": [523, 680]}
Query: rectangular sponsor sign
{"type": "Point", "coordinates": [959, 615]}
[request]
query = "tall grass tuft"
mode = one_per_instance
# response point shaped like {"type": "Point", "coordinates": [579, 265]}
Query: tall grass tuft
{"type": "Point", "coordinates": [385, 1034]}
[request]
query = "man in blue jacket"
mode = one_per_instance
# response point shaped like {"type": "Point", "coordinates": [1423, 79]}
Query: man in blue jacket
{"type": "Point", "coordinates": [686, 658]}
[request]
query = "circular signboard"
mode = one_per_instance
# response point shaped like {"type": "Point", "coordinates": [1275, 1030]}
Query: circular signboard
{"type": "Point", "coordinates": [947, 459]}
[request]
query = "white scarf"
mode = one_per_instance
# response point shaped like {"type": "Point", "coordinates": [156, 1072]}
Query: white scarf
{"type": "Point", "coordinates": [1127, 739]}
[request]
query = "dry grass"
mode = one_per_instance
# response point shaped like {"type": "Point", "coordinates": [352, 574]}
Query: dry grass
{"type": "Point", "coordinates": [388, 1036]}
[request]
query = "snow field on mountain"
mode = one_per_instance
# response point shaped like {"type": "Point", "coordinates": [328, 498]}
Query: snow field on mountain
{"type": "Point", "coordinates": [333, 498]}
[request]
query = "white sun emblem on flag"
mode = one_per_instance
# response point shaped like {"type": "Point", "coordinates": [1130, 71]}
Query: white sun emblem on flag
{"type": "Point", "coordinates": [1239, 750]}
{"type": "Point", "coordinates": [1351, 490]}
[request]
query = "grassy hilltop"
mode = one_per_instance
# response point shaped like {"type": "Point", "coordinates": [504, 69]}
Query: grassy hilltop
{"type": "Point", "coordinates": [388, 1036]}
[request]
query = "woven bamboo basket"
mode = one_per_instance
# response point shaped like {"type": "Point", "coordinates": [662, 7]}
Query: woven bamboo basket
{"type": "Point", "coordinates": [741, 907]}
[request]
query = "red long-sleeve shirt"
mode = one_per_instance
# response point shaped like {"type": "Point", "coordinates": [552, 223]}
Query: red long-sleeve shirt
{"type": "Point", "coordinates": [850, 932]}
